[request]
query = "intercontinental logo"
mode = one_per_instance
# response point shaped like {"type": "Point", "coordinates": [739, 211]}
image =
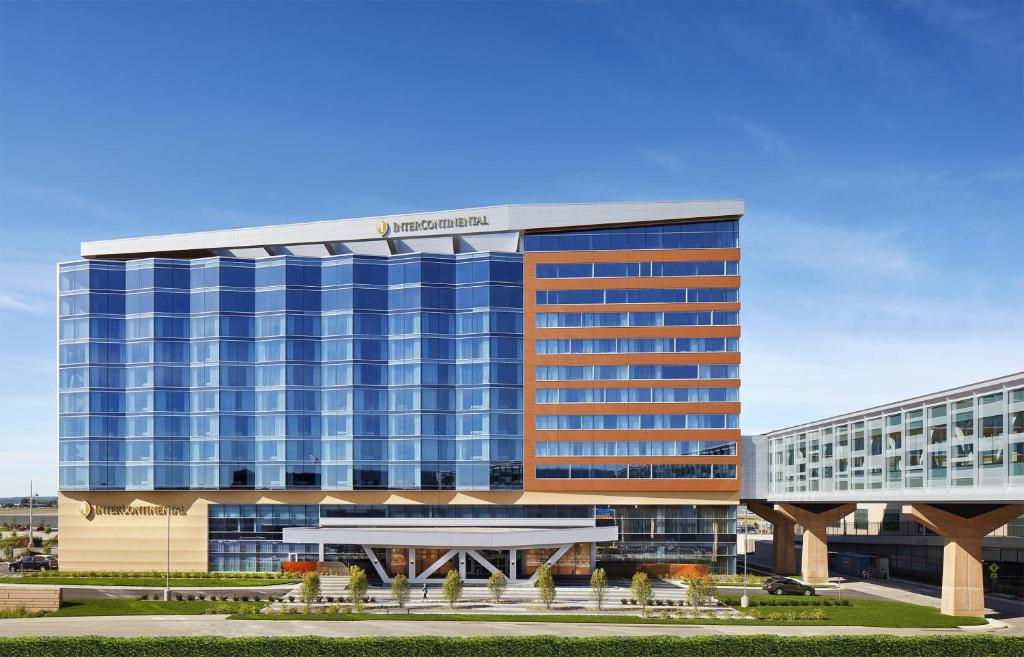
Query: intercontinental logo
{"type": "Point", "coordinates": [93, 510]}
{"type": "Point", "coordinates": [385, 228]}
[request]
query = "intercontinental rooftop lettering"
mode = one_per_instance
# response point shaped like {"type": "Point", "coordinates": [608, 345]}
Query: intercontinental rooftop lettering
{"type": "Point", "coordinates": [102, 510]}
{"type": "Point", "coordinates": [447, 223]}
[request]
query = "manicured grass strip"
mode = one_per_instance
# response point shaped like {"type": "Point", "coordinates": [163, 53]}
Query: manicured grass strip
{"type": "Point", "coordinates": [130, 607]}
{"type": "Point", "coordinates": [148, 581]}
{"type": "Point", "coordinates": [538, 646]}
{"type": "Point", "coordinates": [868, 613]}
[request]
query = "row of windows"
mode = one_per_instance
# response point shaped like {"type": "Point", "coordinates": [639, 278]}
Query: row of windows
{"type": "Point", "coordinates": [634, 372]}
{"type": "Point", "coordinates": [634, 395]}
{"type": "Point", "coordinates": [640, 295]}
{"type": "Point", "coordinates": [273, 375]}
{"type": "Point", "coordinates": [291, 424]}
{"type": "Point", "coordinates": [696, 235]}
{"type": "Point", "coordinates": [297, 300]}
{"type": "Point", "coordinates": [636, 269]}
{"type": "Point", "coordinates": [340, 374]}
{"type": "Point", "coordinates": [311, 325]}
{"type": "Point", "coordinates": [293, 450]}
{"type": "Point", "coordinates": [424, 476]}
{"type": "Point", "coordinates": [635, 422]}
{"type": "Point", "coordinates": [636, 345]}
{"type": "Point", "coordinates": [295, 349]}
{"type": "Point", "coordinates": [292, 271]}
{"type": "Point", "coordinates": [636, 471]}
{"type": "Point", "coordinates": [683, 318]}
{"type": "Point", "coordinates": [331, 400]}
{"type": "Point", "coordinates": [636, 448]}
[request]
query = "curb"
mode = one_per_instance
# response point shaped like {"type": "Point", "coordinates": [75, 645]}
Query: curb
{"type": "Point", "coordinates": [991, 625]}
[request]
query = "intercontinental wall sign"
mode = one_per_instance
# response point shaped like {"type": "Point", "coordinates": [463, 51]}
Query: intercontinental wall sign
{"type": "Point", "coordinates": [385, 228]}
{"type": "Point", "coordinates": [87, 509]}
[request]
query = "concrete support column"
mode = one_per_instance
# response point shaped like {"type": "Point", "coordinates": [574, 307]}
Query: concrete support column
{"type": "Point", "coordinates": [321, 557]}
{"type": "Point", "coordinates": [462, 565]}
{"type": "Point", "coordinates": [815, 519]}
{"type": "Point", "coordinates": [512, 566]}
{"type": "Point", "coordinates": [963, 526]}
{"type": "Point", "coordinates": [783, 539]}
{"type": "Point", "coordinates": [411, 558]}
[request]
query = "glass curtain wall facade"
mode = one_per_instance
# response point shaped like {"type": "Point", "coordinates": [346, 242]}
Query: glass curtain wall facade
{"type": "Point", "coordinates": [348, 372]}
{"type": "Point", "coordinates": [248, 537]}
{"type": "Point", "coordinates": [948, 444]}
{"type": "Point", "coordinates": [595, 363]}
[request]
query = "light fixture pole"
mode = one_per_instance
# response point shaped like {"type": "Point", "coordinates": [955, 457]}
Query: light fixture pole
{"type": "Point", "coordinates": [31, 494]}
{"type": "Point", "coordinates": [744, 600]}
{"type": "Point", "coordinates": [167, 581]}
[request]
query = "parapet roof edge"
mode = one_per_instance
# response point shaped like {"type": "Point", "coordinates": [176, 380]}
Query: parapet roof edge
{"type": "Point", "coordinates": [882, 408]}
{"type": "Point", "coordinates": [501, 218]}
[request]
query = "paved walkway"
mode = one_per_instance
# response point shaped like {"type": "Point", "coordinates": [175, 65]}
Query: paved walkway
{"type": "Point", "coordinates": [128, 626]}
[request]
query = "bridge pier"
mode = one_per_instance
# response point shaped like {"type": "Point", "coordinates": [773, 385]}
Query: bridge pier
{"type": "Point", "coordinates": [963, 526]}
{"type": "Point", "coordinates": [814, 518]}
{"type": "Point", "coordinates": [783, 540]}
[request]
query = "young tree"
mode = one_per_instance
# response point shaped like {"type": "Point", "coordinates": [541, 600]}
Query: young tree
{"type": "Point", "coordinates": [496, 584]}
{"type": "Point", "coordinates": [452, 587]}
{"type": "Point", "coordinates": [599, 587]}
{"type": "Point", "coordinates": [310, 590]}
{"type": "Point", "coordinates": [357, 586]}
{"type": "Point", "coordinates": [642, 591]}
{"type": "Point", "coordinates": [400, 590]}
{"type": "Point", "coordinates": [699, 590]}
{"type": "Point", "coordinates": [546, 586]}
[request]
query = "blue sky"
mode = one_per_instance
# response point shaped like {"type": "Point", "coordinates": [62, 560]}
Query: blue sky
{"type": "Point", "coordinates": [879, 147]}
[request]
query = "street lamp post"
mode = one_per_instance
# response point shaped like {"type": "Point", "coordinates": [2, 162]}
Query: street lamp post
{"type": "Point", "coordinates": [167, 581]}
{"type": "Point", "coordinates": [30, 496]}
{"type": "Point", "coordinates": [744, 600]}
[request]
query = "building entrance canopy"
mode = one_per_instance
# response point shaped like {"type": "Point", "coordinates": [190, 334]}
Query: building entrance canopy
{"type": "Point", "coordinates": [459, 543]}
{"type": "Point", "coordinates": [451, 537]}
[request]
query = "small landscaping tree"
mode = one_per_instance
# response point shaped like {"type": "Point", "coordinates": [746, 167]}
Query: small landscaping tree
{"type": "Point", "coordinates": [599, 587]}
{"type": "Point", "coordinates": [496, 584]}
{"type": "Point", "coordinates": [546, 586]}
{"type": "Point", "coordinates": [642, 591]}
{"type": "Point", "coordinates": [699, 590]}
{"type": "Point", "coordinates": [452, 587]}
{"type": "Point", "coordinates": [400, 590]}
{"type": "Point", "coordinates": [357, 586]}
{"type": "Point", "coordinates": [310, 590]}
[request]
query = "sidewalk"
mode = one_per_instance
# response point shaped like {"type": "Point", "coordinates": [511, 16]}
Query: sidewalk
{"type": "Point", "coordinates": [127, 626]}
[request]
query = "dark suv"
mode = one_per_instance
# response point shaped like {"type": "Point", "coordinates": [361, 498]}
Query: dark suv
{"type": "Point", "coordinates": [33, 562]}
{"type": "Point", "coordinates": [786, 586]}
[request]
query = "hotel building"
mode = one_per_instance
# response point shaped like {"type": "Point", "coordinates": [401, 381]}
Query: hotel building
{"type": "Point", "coordinates": [483, 389]}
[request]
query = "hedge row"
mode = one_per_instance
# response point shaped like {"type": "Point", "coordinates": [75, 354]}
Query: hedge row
{"type": "Point", "coordinates": [536, 646]}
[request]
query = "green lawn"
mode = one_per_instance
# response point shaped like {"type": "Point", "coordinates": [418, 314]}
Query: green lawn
{"type": "Point", "coordinates": [868, 613]}
{"type": "Point", "coordinates": [131, 607]}
{"type": "Point", "coordinates": [181, 582]}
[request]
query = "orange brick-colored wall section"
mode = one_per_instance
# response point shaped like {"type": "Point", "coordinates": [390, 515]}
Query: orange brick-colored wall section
{"type": "Point", "coordinates": [531, 360]}
{"type": "Point", "coordinates": [674, 570]}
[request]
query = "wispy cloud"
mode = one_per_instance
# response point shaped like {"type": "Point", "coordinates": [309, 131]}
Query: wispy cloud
{"type": "Point", "coordinates": [662, 159]}
{"type": "Point", "coordinates": [832, 251]}
{"type": "Point", "coordinates": [769, 141]}
{"type": "Point", "coordinates": [22, 303]}
{"type": "Point", "coordinates": [839, 317]}
{"type": "Point", "coordinates": [993, 25]}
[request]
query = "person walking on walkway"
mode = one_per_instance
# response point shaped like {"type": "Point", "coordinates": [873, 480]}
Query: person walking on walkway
{"type": "Point", "coordinates": [424, 589]}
